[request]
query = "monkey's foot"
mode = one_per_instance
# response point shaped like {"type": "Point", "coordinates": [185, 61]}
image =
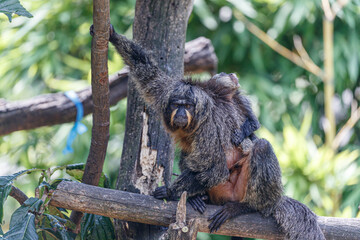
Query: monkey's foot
{"type": "Point", "coordinates": [161, 193]}
{"type": "Point", "coordinates": [197, 202]}
{"type": "Point", "coordinates": [218, 218]}
{"type": "Point", "coordinates": [228, 211]}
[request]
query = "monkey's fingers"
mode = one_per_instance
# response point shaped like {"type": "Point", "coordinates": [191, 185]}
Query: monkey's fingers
{"type": "Point", "coordinates": [218, 218]}
{"type": "Point", "coordinates": [112, 32]}
{"type": "Point", "coordinates": [197, 203]}
{"type": "Point", "coordinates": [92, 30]}
{"type": "Point", "coordinates": [161, 192]}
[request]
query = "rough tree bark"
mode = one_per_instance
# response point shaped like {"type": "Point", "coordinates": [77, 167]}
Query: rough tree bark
{"type": "Point", "coordinates": [100, 96]}
{"type": "Point", "coordinates": [146, 209]}
{"type": "Point", "coordinates": [147, 158]}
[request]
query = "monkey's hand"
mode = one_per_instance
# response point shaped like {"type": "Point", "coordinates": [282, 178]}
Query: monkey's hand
{"type": "Point", "coordinates": [198, 203]}
{"type": "Point", "coordinates": [162, 192]}
{"type": "Point", "coordinates": [92, 30]}
{"type": "Point", "coordinates": [112, 31]}
{"type": "Point", "coordinates": [237, 137]}
{"type": "Point", "coordinates": [228, 211]}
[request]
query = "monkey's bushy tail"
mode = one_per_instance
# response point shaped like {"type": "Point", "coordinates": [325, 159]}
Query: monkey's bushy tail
{"type": "Point", "coordinates": [297, 221]}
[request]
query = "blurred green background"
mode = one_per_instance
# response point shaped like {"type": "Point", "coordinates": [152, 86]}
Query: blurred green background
{"type": "Point", "coordinates": [51, 52]}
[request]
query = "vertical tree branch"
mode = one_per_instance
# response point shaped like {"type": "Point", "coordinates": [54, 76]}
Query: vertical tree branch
{"type": "Point", "coordinates": [100, 91]}
{"type": "Point", "coordinates": [328, 35]}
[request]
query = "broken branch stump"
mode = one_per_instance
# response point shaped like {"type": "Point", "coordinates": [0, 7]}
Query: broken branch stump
{"type": "Point", "coordinates": [182, 229]}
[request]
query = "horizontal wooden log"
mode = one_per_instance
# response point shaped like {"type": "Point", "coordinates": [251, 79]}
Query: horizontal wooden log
{"type": "Point", "coordinates": [146, 209]}
{"type": "Point", "coordinates": [51, 109]}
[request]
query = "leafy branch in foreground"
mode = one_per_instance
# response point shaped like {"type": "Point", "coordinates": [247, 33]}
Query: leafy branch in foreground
{"type": "Point", "coordinates": [36, 219]}
{"type": "Point", "coordinates": [8, 7]}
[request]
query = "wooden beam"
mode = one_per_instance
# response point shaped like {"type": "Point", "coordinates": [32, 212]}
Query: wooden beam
{"type": "Point", "coordinates": [146, 209]}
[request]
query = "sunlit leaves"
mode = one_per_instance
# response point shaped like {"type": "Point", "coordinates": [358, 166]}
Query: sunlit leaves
{"type": "Point", "coordinates": [315, 174]}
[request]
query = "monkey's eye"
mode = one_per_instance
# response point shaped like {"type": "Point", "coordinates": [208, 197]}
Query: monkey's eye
{"type": "Point", "coordinates": [187, 106]}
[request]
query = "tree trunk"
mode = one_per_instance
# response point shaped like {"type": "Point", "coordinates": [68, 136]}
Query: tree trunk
{"type": "Point", "coordinates": [100, 97]}
{"type": "Point", "coordinates": [147, 158]}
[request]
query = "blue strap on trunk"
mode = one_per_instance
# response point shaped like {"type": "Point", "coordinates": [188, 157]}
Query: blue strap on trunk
{"type": "Point", "coordinates": [78, 127]}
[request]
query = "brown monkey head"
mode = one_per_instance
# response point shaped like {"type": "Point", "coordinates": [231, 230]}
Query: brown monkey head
{"type": "Point", "coordinates": [179, 113]}
{"type": "Point", "coordinates": [181, 108]}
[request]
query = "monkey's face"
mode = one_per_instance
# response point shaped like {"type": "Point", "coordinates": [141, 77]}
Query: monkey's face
{"type": "Point", "coordinates": [179, 113]}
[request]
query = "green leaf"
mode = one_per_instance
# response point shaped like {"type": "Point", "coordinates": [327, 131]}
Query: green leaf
{"type": "Point", "coordinates": [56, 182]}
{"type": "Point", "coordinates": [4, 180]}
{"type": "Point", "coordinates": [31, 204]}
{"type": "Point", "coordinates": [96, 227]}
{"type": "Point", "coordinates": [76, 170]}
{"type": "Point", "coordinates": [8, 7]}
{"type": "Point", "coordinates": [5, 187]}
{"type": "Point", "coordinates": [24, 230]}
{"type": "Point", "coordinates": [57, 224]}
{"type": "Point", "coordinates": [42, 187]}
{"type": "Point", "coordinates": [4, 192]}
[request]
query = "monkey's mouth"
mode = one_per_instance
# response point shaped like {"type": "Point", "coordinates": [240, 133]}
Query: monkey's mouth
{"type": "Point", "coordinates": [180, 122]}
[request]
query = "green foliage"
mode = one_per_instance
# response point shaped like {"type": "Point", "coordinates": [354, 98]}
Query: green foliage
{"type": "Point", "coordinates": [77, 171]}
{"type": "Point", "coordinates": [35, 219]}
{"type": "Point", "coordinates": [314, 174]}
{"type": "Point", "coordinates": [5, 187]}
{"type": "Point", "coordinates": [8, 7]}
{"type": "Point", "coordinates": [278, 86]}
{"type": "Point", "coordinates": [95, 227]}
{"type": "Point", "coordinates": [23, 229]}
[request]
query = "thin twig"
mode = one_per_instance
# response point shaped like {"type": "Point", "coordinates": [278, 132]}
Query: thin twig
{"type": "Point", "coordinates": [331, 11]}
{"type": "Point", "coordinates": [329, 15]}
{"type": "Point", "coordinates": [277, 47]}
{"type": "Point", "coordinates": [304, 55]}
{"type": "Point", "coordinates": [18, 195]}
{"type": "Point", "coordinates": [354, 118]}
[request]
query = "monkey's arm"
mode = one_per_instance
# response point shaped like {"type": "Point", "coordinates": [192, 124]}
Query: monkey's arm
{"type": "Point", "coordinates": [185, 182]}
{"type": "Point", "coordinates": [250, 125]}
{"type": "Point", "coordinates": [152, 83]}
{"type": "Point", "coordinates": [194, 183]}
